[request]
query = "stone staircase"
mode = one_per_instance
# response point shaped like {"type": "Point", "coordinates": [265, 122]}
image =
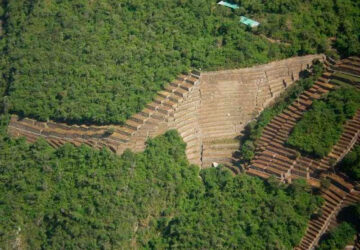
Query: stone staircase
{"type": "Point", "coordinates": [283, 162]}
{"type": "Point", "coordinates": [221, 151]}
{"type": "Point", "coordinates": [274, 158]}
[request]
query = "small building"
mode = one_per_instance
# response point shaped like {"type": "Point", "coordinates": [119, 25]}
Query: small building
{"type": "Point", "coordinates": [230, 5]}
{"type": "Point", "coordinates": [249, 22]}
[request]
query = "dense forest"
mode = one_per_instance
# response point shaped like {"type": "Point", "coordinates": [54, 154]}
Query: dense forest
{"type": "Point", "coordinates": [101, 61]}
{"type": "Point", "coordinates": [308, 26]}
{"type": "Point", "coordinates": [321, 127]}
{"type": "Point", "coordinates": [338, 238]}
{"type": "Point", "coordinates": [82, 198]}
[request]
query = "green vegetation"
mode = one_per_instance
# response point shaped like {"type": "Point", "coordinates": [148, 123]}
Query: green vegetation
{"type": "Point", "coordinates": [321, 127]}
{"type": "Point", "coordinates": [344, 233]}
{"type": "Point", "coordinates": [242, 212]}
{"type": "Point", "coordinates": [254, 129]}
{"type": "Point", "coordinates": [343, 79]}
{"type": "Point", "coordinates": [351, 164]}
{"type": "Point", "coordinates": [87, 199]}
{"type": "Point", "coordinates": [72, 197]}
{"type": "Point", "coordinates": [309, 26]}
{"type": "Point", "coordinates": [339, 237]}
{"type": "Point", "coordinates": [102, 61]}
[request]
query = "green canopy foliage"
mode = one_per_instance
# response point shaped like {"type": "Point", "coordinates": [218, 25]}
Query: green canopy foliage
{"type": "Point", "coordinates": [344, 233]}
{"type": "Point", "coordinates": [241, 212]}
{"type": "Point", "coordinates": [321, 127]}
{"type": "Point", "coordinates": [338, 238]}
{"type": "Point", "coordinates": [102, 61]}
{"type": "Point", "coordinates": [351, 164]}
{"type": "Point", "coordinates": [309, 26]}
{"type": "Point", "coordinates": [71, 198]}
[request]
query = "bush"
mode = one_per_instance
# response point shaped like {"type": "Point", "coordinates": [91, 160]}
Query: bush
{"type": "Point", "coordinates": [248, 151]}
{"type": "Point", "coordinates": [321, 126]}
{"type": "Point", "coordinates": [325, 183]}
{"type": "Point", "coordinates": [338, 238]}
{"type": "Point", "coordinates": [351, 164]}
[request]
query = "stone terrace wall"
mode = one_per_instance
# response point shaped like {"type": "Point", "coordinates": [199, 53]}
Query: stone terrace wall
{"type": "Point", "coordinates": [232, 98]}
{"type": "Point", "coordinates": [208, 113]}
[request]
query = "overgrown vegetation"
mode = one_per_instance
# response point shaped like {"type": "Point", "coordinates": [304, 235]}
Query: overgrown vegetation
{"type": "Point", "coordinates": [351, 164]}
{"type": "Point", "coordinates": [102, 61]}
{"type": "Point", "coordinates": [82, 198]}
{"type": "Point", "coordinates": [254, 129]}
{"type": "Point", "coordinates": [339, 237]}
{"type": "Point", "coordinates": [321, 127]}
{"type": "Point", "coordinates": [242, 212]}
{"type": "Point", "coordinates": [344, 233]}
{"type": "Point", "coordinates": [308, 26]}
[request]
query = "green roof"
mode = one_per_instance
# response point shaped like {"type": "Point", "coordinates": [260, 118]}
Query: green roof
{"type": "Point", "coordinates": [230, 5]}
{"type": "Point", "coordinates": [249, 22]}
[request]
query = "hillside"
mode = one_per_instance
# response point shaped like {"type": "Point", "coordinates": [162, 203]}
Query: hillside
{"type": "Point", "coordinates": [83, 198]}
{"type": "Point", "coordinates": [314, 136]}
{"type": "Point", "coordinates": [188, 106]}
{"type": "Point", "coordinates": [102, 61]}
{"type": "Point", "coordinates": [130, 124]}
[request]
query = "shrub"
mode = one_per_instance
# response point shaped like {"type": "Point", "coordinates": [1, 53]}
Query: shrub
{"type": "Point", "coordinates": [338, 238]}
{"type": "Point", "coordinates": [351, 164]}
{"type": "Point", "coordinates": [321, 126]}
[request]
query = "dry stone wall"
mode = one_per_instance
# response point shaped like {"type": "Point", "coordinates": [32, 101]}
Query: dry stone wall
{"type": "Point", "coordinates": [208, 111]}
{"type": "Point", "coordinates": [232, 98]}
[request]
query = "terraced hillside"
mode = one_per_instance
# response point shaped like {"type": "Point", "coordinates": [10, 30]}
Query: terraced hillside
{"type": "Point", "coordinates": [275, 158]}
{"type": "Point", "coordinates": [209, 111]}
{"type": "Point", "coordinates": [339, 195]}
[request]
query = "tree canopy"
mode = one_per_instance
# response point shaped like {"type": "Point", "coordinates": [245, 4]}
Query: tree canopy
{"type": "Point", "coordinates": [102, 61]}
{"type": "Point", "coordinates": [321, 127]}
{"type": "Point", "coordinates": [344, 233]}
{"type": "Point", "coordinates": [308, 26]}
{"type": "Point", "coordinates": [351, 164]}
{"type": "Point", "coordinates": [78, 197]}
